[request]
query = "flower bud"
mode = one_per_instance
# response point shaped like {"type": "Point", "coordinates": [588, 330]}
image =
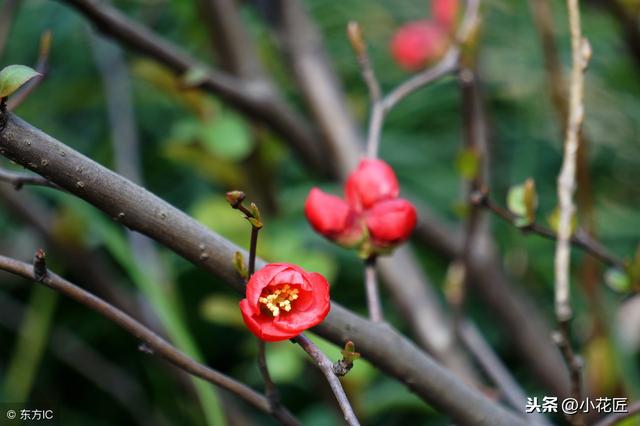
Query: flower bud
{"type": "Point", "coordinates": [445, 13]}
{"type": "Point", "coordinates": [391, 222]}
{"type": "Point", "coordinates": [419, 43]}
{"type": "Point", "coordinates": [373, 181]}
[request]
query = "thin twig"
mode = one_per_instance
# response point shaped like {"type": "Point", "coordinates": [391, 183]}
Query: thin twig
{"type": "Point", "coordinates": [579, 239]}
{"type": "Point", "coordinates": [157, 344]}
{"type": "Point", "coordinates": [615, 418]}
{"type": "Point", "coordinates": [380, 106]}
{"type": "Point", "coordinates": [373, 293]}
{"type": "Point", "coordinates": [253, 247]}
{"type": "Point", "coordinates": [562, 338]}
{"type": "Point", "coordinates": [18, 180]}
{"type": "Point", "coordinates": [326, 366]}
{"type": "Point", "coordinates": [566, 187]}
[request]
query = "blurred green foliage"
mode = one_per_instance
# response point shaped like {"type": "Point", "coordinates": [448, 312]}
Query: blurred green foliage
{"type": "Point", "coordinates": [194, 149]}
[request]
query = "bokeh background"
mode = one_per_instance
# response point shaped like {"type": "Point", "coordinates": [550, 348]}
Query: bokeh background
{"type": "Point", "coordinates": [192, 149]}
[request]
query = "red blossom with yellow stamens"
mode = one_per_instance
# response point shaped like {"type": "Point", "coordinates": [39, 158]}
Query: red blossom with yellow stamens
{"type": "Point", "coordinates": [283, 300]}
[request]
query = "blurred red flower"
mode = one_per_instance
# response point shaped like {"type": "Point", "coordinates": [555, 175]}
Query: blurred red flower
{"type": "Point", "coordinates": [418, 43]}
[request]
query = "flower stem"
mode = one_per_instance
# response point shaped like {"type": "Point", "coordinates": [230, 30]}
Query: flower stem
{"type": "Point", "coordinates": [252, 250]}
{"type": "Point", "coordinates": [371, 284]}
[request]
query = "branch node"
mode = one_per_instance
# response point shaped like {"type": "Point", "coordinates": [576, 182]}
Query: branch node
{"type": "Point", "coordinates": [39, 266]}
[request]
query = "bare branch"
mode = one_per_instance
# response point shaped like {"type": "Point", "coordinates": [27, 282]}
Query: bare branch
{"type": "Point", "coordinates": [326, 366]}
{"type": "Point", "coordinates": [566, 187]}
{"type": "Point", "coordinates": [158, 345]}
{"type": "Point", "coordinates": [140, 210]}
{"type": "Point", "coordinates": [579, 239]}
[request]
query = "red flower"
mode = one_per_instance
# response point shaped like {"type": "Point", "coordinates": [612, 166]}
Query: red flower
{"type": "Point", "coordinates": [416, 44]}
{"type": "Point", "coordinates": [332, 217]}
{"type": "Point", "coordinates": [372, 219]}
{"type": "Point", "coordinates": [283, 300]}
{"type": "Point", "coordinates": [391, 222]}
{"type": "Point", "coordinates": [373, 181]}
{"type": "Point", "coordinates": [445, 12]}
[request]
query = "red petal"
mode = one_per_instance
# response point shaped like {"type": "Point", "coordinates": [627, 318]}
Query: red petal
{"type": "Point", "coordinates": [373, 181]}
{"type": "Point", "coordinates": [391, 222]}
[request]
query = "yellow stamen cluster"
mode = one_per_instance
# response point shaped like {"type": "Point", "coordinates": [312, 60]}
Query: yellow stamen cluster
{"type": "Point", "coordinates": [280, 299]}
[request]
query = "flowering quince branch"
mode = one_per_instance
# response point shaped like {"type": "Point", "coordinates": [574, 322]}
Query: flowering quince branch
{"type": "Point", "coordinates": [144, 212]}
{"type": "Point", "coordinates": [235, 199]}
{"type": "Point", "coordinates": [281, 301]}
{"type": "Point", "coordinates": [153, 343]}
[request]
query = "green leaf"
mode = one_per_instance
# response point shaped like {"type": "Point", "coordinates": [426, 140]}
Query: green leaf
{"type": "Point", "coordinates": [522, 201]}
{"type": "Point", "coordinates": [617, 280]}
{"type": "Point", "coordinates": [13, 77]}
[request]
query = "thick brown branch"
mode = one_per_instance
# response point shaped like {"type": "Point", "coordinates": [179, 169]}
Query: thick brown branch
{"type": "Point", "coordinates": [157, 344]}
{"type": "Point", "coordinates": [142, 211]}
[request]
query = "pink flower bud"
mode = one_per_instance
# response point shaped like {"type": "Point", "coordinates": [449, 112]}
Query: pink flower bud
{"type": "Point", "coordinates": [373, 181]}
{"type": "Point", "coordinates": [416, 44]}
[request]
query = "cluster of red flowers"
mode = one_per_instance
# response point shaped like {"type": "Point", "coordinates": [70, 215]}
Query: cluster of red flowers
{"type": "Point", "coordinates": [372, 218]}
{"type": "Point", "coordinates": [421, 42]}
{"type": "Point", "coordinates": [283, 300]}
